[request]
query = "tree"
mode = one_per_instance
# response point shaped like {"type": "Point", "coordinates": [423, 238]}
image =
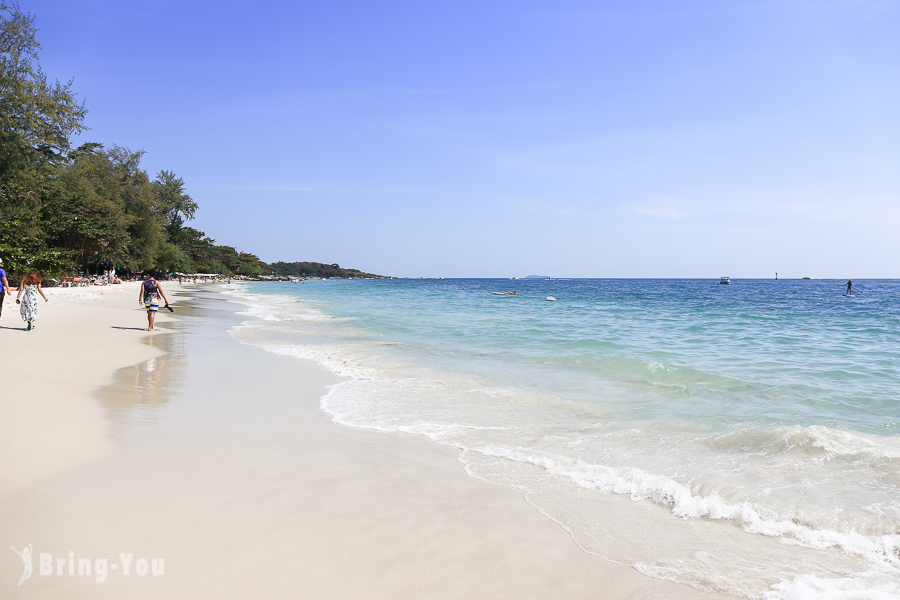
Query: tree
{"type": "Point", "coordinates": [173, 202]}
{"type": "Point", "coordinates": [85, 210]}
{"type": "Point", "coordinates": [250, 265]}
{"type": "Point", "coordinates": [173, 259]}
{"type": "Point", "coordinates": [37, 118]}
{"type": "Point", "coordinates": [89, 232]}
{"type": "Point", "coordinates": [103, 206]}
{"type": "Point", "coordinates": [145, 230]}
{"type": "Point", "coordinates": [22, 236]}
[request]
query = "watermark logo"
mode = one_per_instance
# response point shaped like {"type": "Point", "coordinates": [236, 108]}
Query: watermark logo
{"type": "Point", "coordinates": [99, 569]}
{"type": "Point", "coordinates": [26, 558]}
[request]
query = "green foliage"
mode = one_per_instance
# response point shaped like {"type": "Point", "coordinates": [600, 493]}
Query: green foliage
{"type": "Point", "coordinates": [145, 227]}
{"type": "Point", "coordinates": [37, 118]}
{"type": "Point", "coordinates": [172, 201]}
{"type": "Point", "coordinates": [172, 259]}
{"type": "Point", "coordinates": [88, 232]}
{"type": "Point", "coordinates": [85, 210]}
{"type": "Point", "coordinates": [250, 265]}
{"type": "Point", "coordinates": [22, 242]}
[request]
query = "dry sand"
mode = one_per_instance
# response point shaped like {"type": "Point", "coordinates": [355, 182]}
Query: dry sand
{"type": "Point", "coordinates": [186, 446]}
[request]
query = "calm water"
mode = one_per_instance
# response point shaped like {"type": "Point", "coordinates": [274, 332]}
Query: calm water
{"type": "Point", "coordinates": [741, 438]}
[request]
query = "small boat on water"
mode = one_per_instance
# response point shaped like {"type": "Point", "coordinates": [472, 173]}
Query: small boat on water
{"type": "Point", "coordinates": [552, 299]}
{"type": "Point", "coordinates": [806, 278]}
{"type": "Point", "coordinates": [506, 293]}
{"type": "Point", "coordinates": [724, 280]}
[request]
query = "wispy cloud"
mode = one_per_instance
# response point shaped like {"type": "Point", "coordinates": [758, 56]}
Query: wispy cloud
{"type": "Point", "coordinates": [662, 208]}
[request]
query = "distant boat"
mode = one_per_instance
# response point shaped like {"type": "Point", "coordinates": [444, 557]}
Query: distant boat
{"type": "Point", "coordinates": [806, 278]}
{"type": "Point", "coordinates": [724, 280]}
{"type": "Point", "coordinates": [551, 298]}
{"type": "Point", "coordinates": [508, 293]}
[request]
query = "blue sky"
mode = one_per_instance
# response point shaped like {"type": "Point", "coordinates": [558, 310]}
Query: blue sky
{"type": "Point", "coordinates": [579, 139]}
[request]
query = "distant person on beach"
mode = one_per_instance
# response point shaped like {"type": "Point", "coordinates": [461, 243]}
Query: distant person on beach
{"type": "Point", "coordinates": [30, 287]}
{"type": "Point", "coordinates": [4, 286]}
{"type": "Point", "coordinates": [849, 286]}
{"type": "Point", "coordinates": [149, 297]}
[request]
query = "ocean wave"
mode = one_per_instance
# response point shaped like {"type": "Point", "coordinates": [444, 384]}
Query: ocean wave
{"type": "Point", "coordinates": [683, 503]}
{"type": "Point", "coordinates": [813, 440]}
{"type": "Point", "coordinates": [277, 307]}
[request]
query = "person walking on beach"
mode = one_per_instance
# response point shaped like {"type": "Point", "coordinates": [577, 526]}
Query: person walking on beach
{"type": "Point", "coordinates": [30, 287]}
{"type": "Point", "coordinates": [149, 296]}
{"type": "Point", "coordinates": [4, 286]}
{"type": "Point", "coordinates": [849, 286]}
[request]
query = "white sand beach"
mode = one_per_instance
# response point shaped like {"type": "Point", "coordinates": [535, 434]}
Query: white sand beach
{"type": "Point", "coordinates": [213, 459]}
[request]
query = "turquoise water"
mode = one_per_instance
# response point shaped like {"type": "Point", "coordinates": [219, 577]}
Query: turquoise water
{"type": "Point", "coordinates": [739, 438]}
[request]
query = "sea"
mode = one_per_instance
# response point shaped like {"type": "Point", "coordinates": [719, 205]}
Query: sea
{"type": "Point", "coordinates": [740, 438]}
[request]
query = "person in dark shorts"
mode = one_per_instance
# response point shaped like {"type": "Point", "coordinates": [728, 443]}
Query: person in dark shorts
{"type": "Point", "coordinates": [849, 286]}
{"type": "Point", "coordinates": [149, 297]}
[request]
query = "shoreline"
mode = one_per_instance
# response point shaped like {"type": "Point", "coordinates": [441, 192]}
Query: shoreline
{"type": "Point", "coordinates": [247, 488]}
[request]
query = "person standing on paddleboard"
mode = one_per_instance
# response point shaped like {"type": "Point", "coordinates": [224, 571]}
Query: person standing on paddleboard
{"type": "Point", "coordinates": [849, 286]}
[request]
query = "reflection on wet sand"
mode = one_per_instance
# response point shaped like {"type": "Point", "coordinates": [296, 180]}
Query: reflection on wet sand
{"type": "Point", "coordinates": [139, 394]}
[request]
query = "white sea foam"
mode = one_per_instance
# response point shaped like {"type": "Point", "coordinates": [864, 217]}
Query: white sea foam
{"type": "Point", "coordinates": [655, 367]}
{"type": "Point", "coordinates": [275, 307]}
{"type": "Point", "coordinates": [334, 359]}
{"type": "Point", "coordinates": [639, 485]}
{"type": "Point", "coordinates": [869, 585]}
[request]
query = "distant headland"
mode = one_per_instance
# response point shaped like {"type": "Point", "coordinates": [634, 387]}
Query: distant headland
{"type": "Point", "coordinates": [313, 269]}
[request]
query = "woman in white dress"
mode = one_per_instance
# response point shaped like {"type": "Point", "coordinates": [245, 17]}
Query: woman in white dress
{"type": "Point", "coordinates": [30, 287]}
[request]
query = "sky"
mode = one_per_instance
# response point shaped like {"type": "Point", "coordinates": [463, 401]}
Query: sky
{"type": "Point", "coordinates": [637, 138]}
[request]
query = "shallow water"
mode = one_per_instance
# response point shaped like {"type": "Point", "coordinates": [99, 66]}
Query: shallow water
{"type": "Point", "coordinates": [741, 438]}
